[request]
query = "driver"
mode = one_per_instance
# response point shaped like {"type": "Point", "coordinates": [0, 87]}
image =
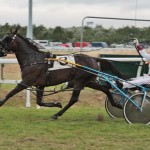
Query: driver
{"type": "Point", "coordinates": [139, 80]}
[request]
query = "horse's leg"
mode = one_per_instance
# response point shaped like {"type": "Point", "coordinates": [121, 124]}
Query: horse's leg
{"type": "Point", "coordinates": [106, 90]}
{"type": "Point", "coordinates": [74, 99]}
{"type": "Point", "coordinates": [39, 97]}
{"type": "Point", "coordinates": [16, 90]}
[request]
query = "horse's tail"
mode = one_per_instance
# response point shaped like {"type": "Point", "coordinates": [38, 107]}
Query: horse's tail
{"type": "Point", "coordinates": [107, 66]}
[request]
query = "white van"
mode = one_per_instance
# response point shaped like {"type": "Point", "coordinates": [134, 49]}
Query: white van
{"type": "Point", "coordinates": [43, 43]}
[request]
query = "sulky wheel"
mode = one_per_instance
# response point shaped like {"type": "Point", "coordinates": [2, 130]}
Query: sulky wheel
{"type": "Point", "coordinates": [132, 114]}
{"type": "Point", "coordinates": [112, 111]}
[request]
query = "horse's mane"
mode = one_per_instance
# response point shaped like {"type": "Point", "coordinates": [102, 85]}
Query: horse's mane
{"type": "Point", "coordinates": [29, 42]}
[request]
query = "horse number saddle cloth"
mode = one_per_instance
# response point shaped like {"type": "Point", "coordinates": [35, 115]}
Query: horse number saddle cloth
{"type": "Point", "coordinates": [56, 65]}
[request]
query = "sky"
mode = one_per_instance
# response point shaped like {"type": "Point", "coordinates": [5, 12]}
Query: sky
{"type": "Point", "coordinates": [69, 13]}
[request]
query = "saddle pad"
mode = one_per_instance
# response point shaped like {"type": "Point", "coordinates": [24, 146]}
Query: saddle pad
{"type": "Point", "coordinates": [62, 65]}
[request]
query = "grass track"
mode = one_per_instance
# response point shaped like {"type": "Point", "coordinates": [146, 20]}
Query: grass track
{"type": "Point", "coordinates": [78, 129]}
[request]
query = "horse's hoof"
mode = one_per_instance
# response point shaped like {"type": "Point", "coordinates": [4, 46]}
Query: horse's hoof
{"type": "Point", "coordinates": [58, 104]}
{"type": "Point", "coordinates": [54, 117]}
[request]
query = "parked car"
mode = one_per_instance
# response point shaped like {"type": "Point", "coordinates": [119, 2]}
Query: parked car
{"type": "Point", "coordinates": [64, 45]}
{"type": "Point", "coordinates": [42, 42]}
{"type": "Point", "coordinates": [84, 44]}
{"type": "Point", "coordinates": [99, 44]}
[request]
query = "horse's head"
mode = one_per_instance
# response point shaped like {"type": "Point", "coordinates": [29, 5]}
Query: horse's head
{"type": "Point", "coordinates": [7, 43]}
{"type": "Point", "coordinates": [2, 52]}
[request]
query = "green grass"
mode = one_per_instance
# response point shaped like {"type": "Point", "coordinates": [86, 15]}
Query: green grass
{"type": "Point", "coordinates": [77, 129]}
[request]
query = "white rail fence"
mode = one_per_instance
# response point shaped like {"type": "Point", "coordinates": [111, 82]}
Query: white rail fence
{"type": "Point", "coordinates": [28, 102]}
{"type": "Point", "coordinates": [4, 81]}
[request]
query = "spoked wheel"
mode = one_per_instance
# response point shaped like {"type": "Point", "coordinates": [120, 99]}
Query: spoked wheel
{"type": "Point", "coordinates": [133, 114]}
{"type": "Point", "coordinates": [112, 111]}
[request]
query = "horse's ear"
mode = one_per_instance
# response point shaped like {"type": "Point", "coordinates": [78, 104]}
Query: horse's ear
{"type": "Point", "coordinates": [16, 30]}
{"type": "Point", "coordinates": [11, 31]}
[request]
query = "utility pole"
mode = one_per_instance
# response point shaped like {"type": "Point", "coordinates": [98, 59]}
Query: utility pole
{"type": "Point", "coordinates": [29, 28]}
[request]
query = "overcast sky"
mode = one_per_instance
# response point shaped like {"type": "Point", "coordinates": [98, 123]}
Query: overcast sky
{"type": "Point", "coordinates": [68, 13]}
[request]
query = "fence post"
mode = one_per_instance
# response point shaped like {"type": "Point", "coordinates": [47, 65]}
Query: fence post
{"type": "Point", "coordinates": [139, 69]}
{"type": "Point", "coordinates": [28, 102]}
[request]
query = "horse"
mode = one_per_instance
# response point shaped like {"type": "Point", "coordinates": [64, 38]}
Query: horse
{"type": "Point", "coordinates": [34, 72]}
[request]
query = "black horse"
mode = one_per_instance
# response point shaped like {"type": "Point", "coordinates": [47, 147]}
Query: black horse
{"type": "Point", "coordinates": [34, 71]}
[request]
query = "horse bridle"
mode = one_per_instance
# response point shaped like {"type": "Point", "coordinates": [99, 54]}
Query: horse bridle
{"type": "Point", "coordinates": [6, 45]}
{"type": "Point", "coordinates": [11, 43]}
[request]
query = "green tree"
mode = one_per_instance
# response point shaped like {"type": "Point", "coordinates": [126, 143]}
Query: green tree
{"type": "Point", "coordinates": [58, 34]}
{"type": "Point", "coordinates": [73, 34]}
{"type": "Point", "coordinates": [39, 32]}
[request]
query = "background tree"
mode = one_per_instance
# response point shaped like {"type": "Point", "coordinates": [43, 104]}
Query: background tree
{"type": "Point", "coordinates": [59, 35]}
{"type": "Point", "coordinates": [39, 32]}
{"type": "Point", "coordinates": [73, 34]}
